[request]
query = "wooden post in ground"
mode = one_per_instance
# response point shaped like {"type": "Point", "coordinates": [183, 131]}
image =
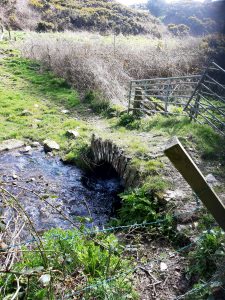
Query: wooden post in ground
{"type": "Point", "coordinates": [188, 169]}
{"type": "Point", "coordinates": [168, 91]}
{"type": "Point", "coordinates": [129, 98]}
{"type": "Point", "coordinates": [2, 32]}
{"type": "Point", "coordinates": [138, 98]}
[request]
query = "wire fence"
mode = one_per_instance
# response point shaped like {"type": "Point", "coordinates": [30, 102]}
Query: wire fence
{"type": "Point", "coordinates": [110, 229]}
{"type": "Point", "coordinates": [101, 282]}
{"type": "Point", "coordinates": [126, 273]}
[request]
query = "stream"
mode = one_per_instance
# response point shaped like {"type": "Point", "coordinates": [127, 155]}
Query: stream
{"type": "Point", "coordinates": [35, 177]}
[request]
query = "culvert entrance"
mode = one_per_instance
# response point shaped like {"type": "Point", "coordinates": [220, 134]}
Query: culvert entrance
{"type": "Point", "coordinates": [106, 175]}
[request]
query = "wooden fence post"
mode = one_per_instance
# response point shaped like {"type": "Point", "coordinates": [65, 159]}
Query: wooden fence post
{"type": "Point", "coordinates": [188, 169]}
{"type": "Point", "coordinates": [138, 98]}
{"type": "Point", "coordinates": [168, 91]}
{"type": "Point", "coordinates": [2, 32]}
{"type": "Point", "coordinates": [195, 109]}
{"type": "Point", "coordinates": [129, 98]}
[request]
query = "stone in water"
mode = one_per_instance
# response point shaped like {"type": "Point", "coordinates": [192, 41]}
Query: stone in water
{"type": "Point", "coordinates": [50, 145]}
{"type": "Point", "coordinates": [11, 144]}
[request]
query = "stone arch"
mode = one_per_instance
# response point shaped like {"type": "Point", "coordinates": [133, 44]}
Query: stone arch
{"type": "Point", "coordinates": [105, 151]}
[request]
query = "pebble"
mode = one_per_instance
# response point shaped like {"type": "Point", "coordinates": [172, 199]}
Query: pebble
{"type": "Point", "coordinates": [26, 149]}
{"type": "Point", "coordinates": [3, 245]}
{"type": "Point", "coordinates": [211, 179]}
{"type": "Point", "coordinates": [11, 144]}
{"type": "Point", "coordinates": [75, 134]}
{"type": "Point", "coordinates": [45, 279]}
{"type": "Point", "coordinates": [65, 111]}
{"type": "Point", "coordinates": [35, 144]}
{"type": "Point", "coordinates": [25, 113]}
{"type": "Point", "coordinates": [50, 145]}
{"type": "Point", "coordinates": [163, 267]}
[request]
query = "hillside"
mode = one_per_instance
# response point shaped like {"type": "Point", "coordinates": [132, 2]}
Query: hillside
{"type": "Point", "coordinates": [58, 15]}
{"type": "Point", "coordinates": [198, 17]}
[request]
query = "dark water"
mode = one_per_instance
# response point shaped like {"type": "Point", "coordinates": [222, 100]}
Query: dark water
{"type": "Point", "coordinates": [66, 187]}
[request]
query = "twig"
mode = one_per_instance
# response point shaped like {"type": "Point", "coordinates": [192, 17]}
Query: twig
{"type": "Point", "coordinates": [40, 246]}
{"type": "Point", "coordinates": [18, 289]}
{"type": "Point", "coordinates": [52, 206]}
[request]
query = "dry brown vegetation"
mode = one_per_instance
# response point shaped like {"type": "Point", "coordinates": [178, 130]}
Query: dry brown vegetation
{"type": "Point", "coordinates": [94, 62]}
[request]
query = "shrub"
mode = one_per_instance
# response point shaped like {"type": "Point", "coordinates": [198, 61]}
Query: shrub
{"type": "Point", "coordinates": [129, 121]}
{"type": "Point", "coordinates": [97, 101]}
{"type": "Point", "coordinates": [92, 62]}
{"type": "Point", "coordinates": [138, 206]}
{"type": "Point", "coordinates": [43, 26]}
{"type": "Point", "coordinates": [36, 3]}
{"type": "Point", "coordinates": [208, 255]}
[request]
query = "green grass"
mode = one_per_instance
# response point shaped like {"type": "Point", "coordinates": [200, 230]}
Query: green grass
{"type": "Point", "coordinates": [25, 87]}
{"type": "Point", "coordinates": [43, 82]}
{"type": "Point", "coordinates": [44, 121]}
{"type": "Point", "coordinates": [74, 262]}
{"type": "Point", "coordinates": [148, 167]}
{"type": "Point", "coordinates": [209, 144]}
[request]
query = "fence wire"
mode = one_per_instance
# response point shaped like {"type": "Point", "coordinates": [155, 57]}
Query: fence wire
{"type": "Point", "coordinates": [122, 228]}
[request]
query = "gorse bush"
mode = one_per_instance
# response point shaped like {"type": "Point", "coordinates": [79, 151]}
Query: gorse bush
{"type": "Point", "coordinates": [98, 15]}
{"type": "Point", "coordinates": [200, 17]}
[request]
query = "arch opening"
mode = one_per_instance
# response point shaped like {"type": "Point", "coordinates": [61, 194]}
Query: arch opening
{"type": "Point", "coordinates": [103, 175]}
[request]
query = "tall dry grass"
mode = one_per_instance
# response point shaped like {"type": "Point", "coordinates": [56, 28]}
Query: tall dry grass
{"type": "Point", "coordinates": [94, 62]}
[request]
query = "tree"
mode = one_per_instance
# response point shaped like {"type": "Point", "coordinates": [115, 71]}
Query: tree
{"type": "Point", "coordinates": [156, 7]}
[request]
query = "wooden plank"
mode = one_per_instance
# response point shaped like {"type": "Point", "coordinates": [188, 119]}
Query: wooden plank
{"type": "Point", "coordinates": [188, 169]}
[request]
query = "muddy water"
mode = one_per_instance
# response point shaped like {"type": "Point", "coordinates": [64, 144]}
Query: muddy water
{"type": "Point", "coordinates": [66, 187]}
